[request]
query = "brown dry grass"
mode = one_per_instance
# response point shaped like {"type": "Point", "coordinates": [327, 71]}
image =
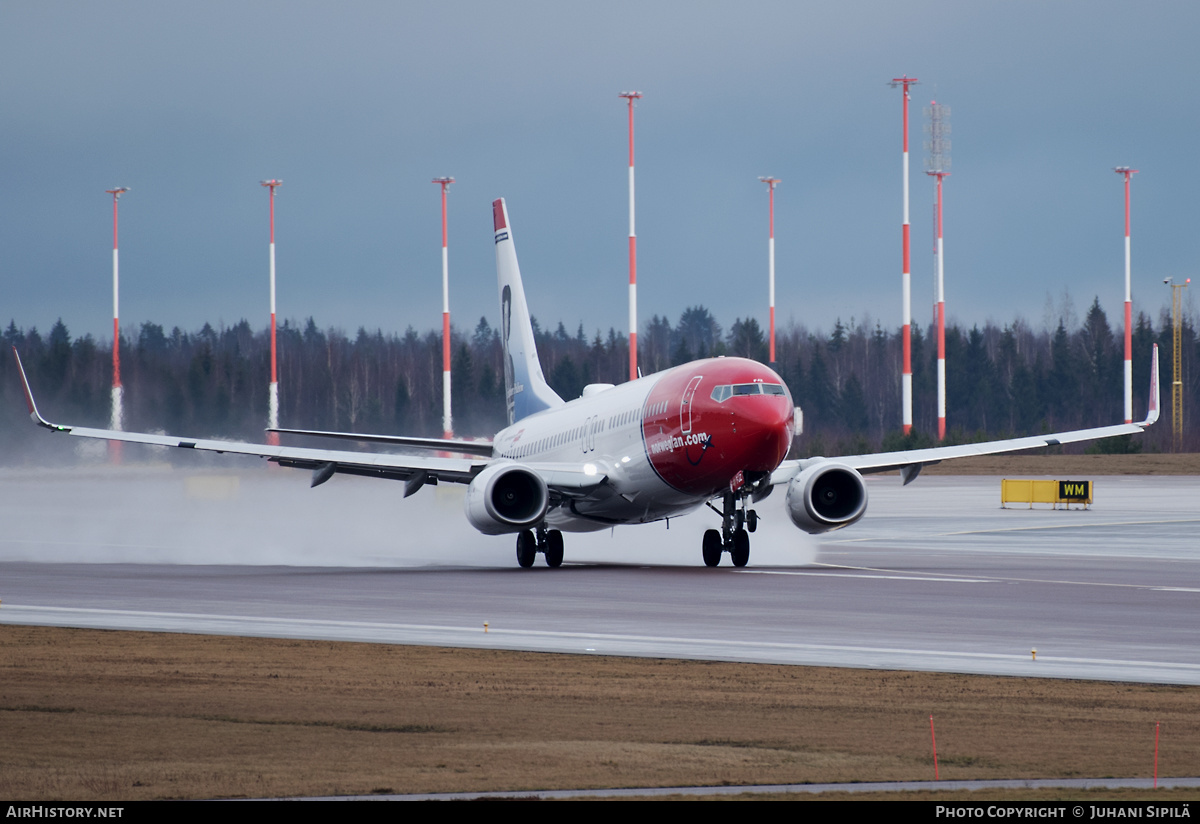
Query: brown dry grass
{"type": "Point", "coordinates": [91, 715]}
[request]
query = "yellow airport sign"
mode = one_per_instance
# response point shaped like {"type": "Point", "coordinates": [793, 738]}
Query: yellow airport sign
{"type": "Point", "coordinates": [1045, 492]}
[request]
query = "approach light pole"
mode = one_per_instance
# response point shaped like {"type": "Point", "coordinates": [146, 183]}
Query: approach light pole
{"type": "Point", "coordinates": [906, 276]}
{"type": "Point", "coordinates": [1128, 172]}
{"type": "Point", "coordinates": [447, 421]}
{"type": "Point", "coordinates": [938, 166]}
{"type": "Point", "coordinates": [633, 360]}
{"type": "Point", "coordinates": [117, 420]}
{"type": "Point", "coordinates": [273, 396]}
{"type": "Point", "coordinates": [771, 182]}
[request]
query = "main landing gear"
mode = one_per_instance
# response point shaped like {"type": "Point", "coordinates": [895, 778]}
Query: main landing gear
{"type": "Point", "coordinates": [549, 542]}
{"type": "Point", "coordinates": [734, 535]}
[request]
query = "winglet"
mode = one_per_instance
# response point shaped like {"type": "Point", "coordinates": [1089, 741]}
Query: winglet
{"type": "Point", "coordinates": [1152, 410]}
{"type": "Point", "coordinates": [33, 411]}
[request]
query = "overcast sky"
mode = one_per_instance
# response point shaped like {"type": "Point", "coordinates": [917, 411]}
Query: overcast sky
{"type": "Point", "coordinates": [356, 106]}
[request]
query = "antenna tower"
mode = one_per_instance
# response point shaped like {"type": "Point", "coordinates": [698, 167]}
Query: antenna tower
{"type": "Point", "coordinates": [1176, 362]}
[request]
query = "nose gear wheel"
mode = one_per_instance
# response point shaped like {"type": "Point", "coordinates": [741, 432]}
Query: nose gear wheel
{"type": "Point", "coordinates": [734, 535]}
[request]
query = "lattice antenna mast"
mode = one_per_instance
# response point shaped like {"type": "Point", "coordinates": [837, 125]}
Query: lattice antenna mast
{"type": "Point", "coordinates": [447, 421]}
{"type": "Point", "coordinates": [1176, 361]}
{"type": "Point", "coordinates": [906, 273]}
{"type": "Point", "coordinates": [937, 165]}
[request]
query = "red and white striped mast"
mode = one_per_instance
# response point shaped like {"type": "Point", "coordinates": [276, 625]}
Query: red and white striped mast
{"type": "Point", "coordinates": [633, 360]}
{"type": "Point", "coordinates": [273, 397]}
{"type": "Point", "coordinates": [117, 420]}
{"type": "Point", "coordinates": [771, 181]}
{"type": "Point", "coordinates": [906, 276]}
{"type": "Point", "coordinates": [1128, 172]}
{"type": "Point", "coordinates": [447, 422]}
{"type": "Point", "coordinates": [938, 166]}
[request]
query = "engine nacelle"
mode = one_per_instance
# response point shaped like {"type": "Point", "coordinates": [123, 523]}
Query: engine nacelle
{"type": "Point", "coordinates": [506, 497]}
{"type": "Point", "coordinates": [825, 497]}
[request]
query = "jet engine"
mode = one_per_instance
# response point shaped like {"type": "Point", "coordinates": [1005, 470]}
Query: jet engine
{"type": "Point", "coordinates": [506, 497]}
{"type": "Point", "coordinates": [825, 497]}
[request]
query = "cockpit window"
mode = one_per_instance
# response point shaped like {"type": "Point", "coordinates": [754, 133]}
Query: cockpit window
{"type": "Point", "coordinates": [723, 393]}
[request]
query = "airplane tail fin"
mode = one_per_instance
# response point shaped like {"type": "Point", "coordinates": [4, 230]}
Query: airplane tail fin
{"type": "Point", "coordinates": [525, 387]}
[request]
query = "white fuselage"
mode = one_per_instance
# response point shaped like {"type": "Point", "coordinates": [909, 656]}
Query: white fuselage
{"type": "Point", "coordinates": [666, 443]}
{"type": "Point", "coordinates": [603, 428]}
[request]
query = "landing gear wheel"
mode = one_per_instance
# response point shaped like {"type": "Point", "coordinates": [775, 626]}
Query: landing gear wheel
{"type": "Point", "coordinates": [741, 548]}
{"type": "Point", "coordinates": [526, 548]}
{"type": "Point", "coordinates": [712, 548]}
{"type": "Point", "coordinates": [554, 548]}
{"type": "Point", "coordinates": [751, 520]}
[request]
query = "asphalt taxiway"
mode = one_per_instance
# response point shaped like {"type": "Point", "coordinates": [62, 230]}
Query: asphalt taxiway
{"type": "Point", "coordinates": [936, 576]}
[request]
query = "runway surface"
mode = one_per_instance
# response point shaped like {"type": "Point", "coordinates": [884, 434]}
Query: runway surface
{"type": "Point", "coordinates": [935, 577]}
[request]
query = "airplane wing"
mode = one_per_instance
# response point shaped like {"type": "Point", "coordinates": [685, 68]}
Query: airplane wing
{"type": "Point", "coordinates": [562, 480]}
{"type": "Point", "coordinates": [481, 448]}
{"type": "Point", "coordinates": [911, 461]}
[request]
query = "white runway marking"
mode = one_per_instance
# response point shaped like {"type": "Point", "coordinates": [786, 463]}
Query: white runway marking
{"type": "Point", "coordinates": [878, 657]}
{"type": "Point", "coordinates": [914, 577]}
{"type": "Point", "coordinates": [1008, 530]}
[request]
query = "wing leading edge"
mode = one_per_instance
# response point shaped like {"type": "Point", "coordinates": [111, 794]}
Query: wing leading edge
{"type": "Point", "coordinates": [414, 471]}
{"type": "Point", "coordinates": [481, 448]}
{"type": "Point", "coordinates": [563, 480]}
{"type": "Point", "coordinates": [910, 462]}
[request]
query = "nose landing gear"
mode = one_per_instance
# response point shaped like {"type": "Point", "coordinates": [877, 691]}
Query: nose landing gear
{"type": "Point", "coordinates": [549, 542]}
{"type": "Point", "coordinates": [734, 536]}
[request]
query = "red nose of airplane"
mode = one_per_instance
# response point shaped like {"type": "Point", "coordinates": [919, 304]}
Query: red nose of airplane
{"type": "Point", "coordinates": [708, 421]}
{"type": "Point", "coordinates": [763, 426]}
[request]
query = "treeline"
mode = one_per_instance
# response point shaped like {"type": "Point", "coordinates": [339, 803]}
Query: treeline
{"type": "Point", "coordinates": [1003, 381]}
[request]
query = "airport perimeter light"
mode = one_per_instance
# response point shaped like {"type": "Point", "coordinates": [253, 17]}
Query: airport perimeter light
{"type": "Point", "coordinates": [447, 422]}
{"type": "Point", "coordinates": [1128, 172]}
{"type": "Point", "coordinates": [633, 361]}
{"type": "Point", "coordinates": [771, 182]}
{"type": "Point", "coordinates": [117, 420]}
{"type": "Point", "coordinates": [906, 278]}
{"type": "Point", "coordinates": [273, 396]}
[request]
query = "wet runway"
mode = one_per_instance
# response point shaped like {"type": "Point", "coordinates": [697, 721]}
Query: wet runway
{"type": "Point", "coordinates": [936, 576]}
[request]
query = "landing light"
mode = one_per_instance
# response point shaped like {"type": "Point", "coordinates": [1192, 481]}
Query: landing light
{"type": "Point", "coordinates": [589, 469]}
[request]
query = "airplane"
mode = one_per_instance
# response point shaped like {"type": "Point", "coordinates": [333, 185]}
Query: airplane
{"type": "Point", "coordinates": [661, 446]}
